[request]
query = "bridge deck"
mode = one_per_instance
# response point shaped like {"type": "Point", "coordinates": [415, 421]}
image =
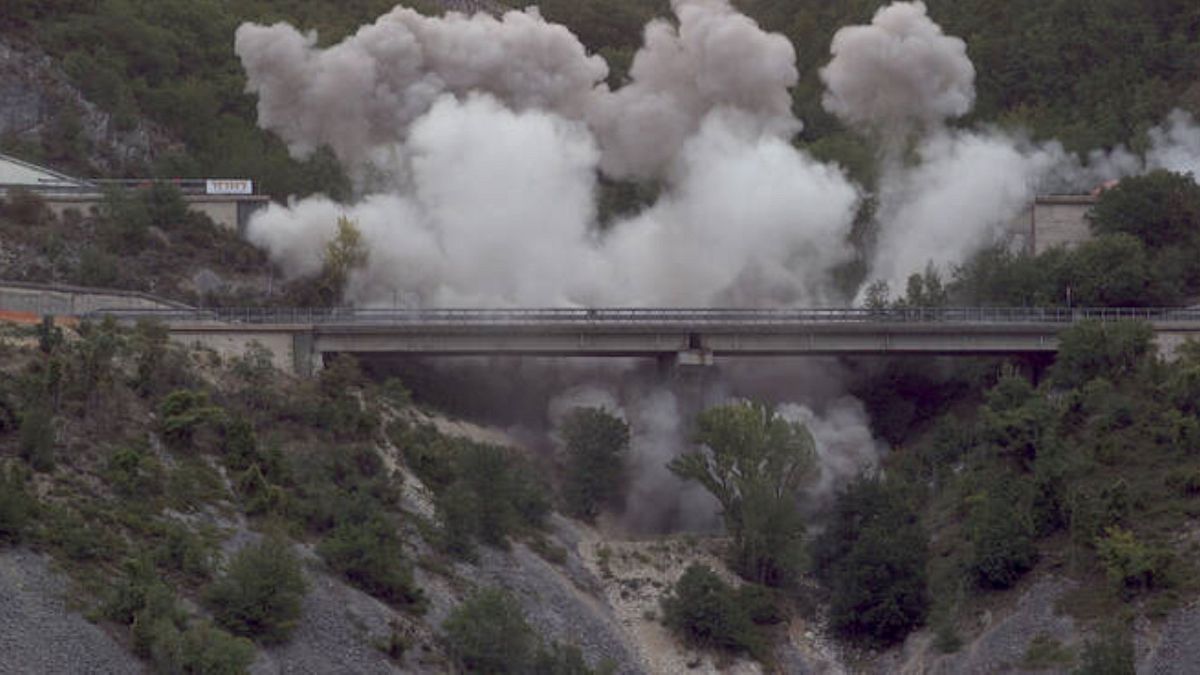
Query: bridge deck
{"type": "Point", "coordinates": [657, 332]}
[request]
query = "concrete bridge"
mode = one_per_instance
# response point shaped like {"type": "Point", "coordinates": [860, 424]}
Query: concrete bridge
{"type": "Point", "coordinates": [299, 339]}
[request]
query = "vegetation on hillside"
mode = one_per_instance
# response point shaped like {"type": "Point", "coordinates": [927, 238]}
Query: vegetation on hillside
{"type": "Point", "coordinates": [1043, 66]}
{"type": "Point", "coordinates": [175, 446]}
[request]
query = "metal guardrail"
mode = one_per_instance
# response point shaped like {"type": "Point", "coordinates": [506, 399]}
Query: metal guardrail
{"type": "Point", "coordinates": [682, 317]}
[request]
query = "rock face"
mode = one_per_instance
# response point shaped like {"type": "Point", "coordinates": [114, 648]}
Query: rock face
{"type": "Point", "coordinates": [1003, 643]}
{"type": "Point", "coordinates": [40, 634]}
{"type": "Point", "coordinates": [1175, 647]}
{"type": "Point", "coordinates": [35, 94]}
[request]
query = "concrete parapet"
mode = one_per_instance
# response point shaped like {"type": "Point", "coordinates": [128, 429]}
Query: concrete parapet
{"type": "Point", "coordinates": [56, 299]}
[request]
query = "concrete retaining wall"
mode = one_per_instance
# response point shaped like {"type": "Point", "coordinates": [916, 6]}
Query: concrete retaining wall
{"type": "Point", "coordinates": [60, 300]}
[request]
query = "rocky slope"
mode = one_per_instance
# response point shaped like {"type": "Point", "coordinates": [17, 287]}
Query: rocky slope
{"type": "Point", "coordinates": [38, 100]}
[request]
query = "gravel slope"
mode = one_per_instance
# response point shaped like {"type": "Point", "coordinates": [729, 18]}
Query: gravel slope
{"type": "Point", "coordinates": [38, 634]}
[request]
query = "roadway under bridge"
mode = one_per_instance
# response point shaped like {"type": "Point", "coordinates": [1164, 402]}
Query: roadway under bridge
{"type": "Point", "coordinates": [299, 339]}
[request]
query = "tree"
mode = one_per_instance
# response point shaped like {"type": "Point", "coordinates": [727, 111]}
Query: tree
{"type": "Point", "coordinates": [259, 595]}
{"type": "Point", "coordinates": [344, 253]}
{"type": "Point", "coordinates": [369, 555]}
{"type": "Point", "coordinates": [706, 612]}
{"type": "Point", "coordinates": [596, 444]}
{"type": "Point", "coordinates": [1001, 531]}
{"type": "Point", "coordinates": [489, 634]}
{"type": "Point", "coordinates": [1091, 349]}
{"type": "Point", "coordinates": [754, 462]}
{"type": "Point", "coordinates": [1160, 208]}
{"type": "Point", "coordinates": [872, 558]}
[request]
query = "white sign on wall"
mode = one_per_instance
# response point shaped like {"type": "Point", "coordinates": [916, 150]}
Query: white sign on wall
{"type": "Point", "coordinates": [229, 187]}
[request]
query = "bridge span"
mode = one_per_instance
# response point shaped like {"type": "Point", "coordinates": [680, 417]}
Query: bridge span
{"type": "Point", "coordinates": [300, 338]}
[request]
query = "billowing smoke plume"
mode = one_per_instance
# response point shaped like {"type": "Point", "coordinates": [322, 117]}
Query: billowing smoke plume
{"type": "Point", "coordinates": [716, 58]}
{"type": "Point", "coordinates": [363, 93]}
{"type": "Point", "coordinates": [898, 75]}
{"type": "Point", "coordinates": [658, 412]}
{"type": "Point", "coordinates": [500, 212]}
{"type": "Point", "coordinates": [1175, 146]}
{"type": "Point", "coordinates": [899, 80]}
{"type": "Point", "coordinates": [961, 195]}
{"type": "Point", "coordinates": [493, 132]}
{"type": "Point", "coordinates": [361, 96]}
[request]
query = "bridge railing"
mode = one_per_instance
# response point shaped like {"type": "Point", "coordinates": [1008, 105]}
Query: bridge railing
{"type": "Point", "coordinates": [618, 316]}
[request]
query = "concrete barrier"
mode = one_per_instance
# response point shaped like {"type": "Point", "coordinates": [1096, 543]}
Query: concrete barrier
{"type": "Point", "coordinates": [58, 300]}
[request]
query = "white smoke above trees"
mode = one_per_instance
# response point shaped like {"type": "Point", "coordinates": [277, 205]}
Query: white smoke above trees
{"type": "Point", "coordinates": [364, 92]}
{"type": "Point", "coordinates": [499, 211]}
{"type": "Point", "coordinates": [943, 194]}
{"type": "Point", "coordinates": [901, 74]}
{"type": "Point", "coordinates": [716, 58]}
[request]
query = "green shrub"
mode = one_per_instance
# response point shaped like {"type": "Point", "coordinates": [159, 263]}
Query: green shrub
{"type": "Point", "coordinates": [1130, 564]}
{"type": "Point", "coordinates": [194, 483]}
{"type": "Point", "coordinates": [183, 413]}
{"type": "Point", "coordinates": [134, 473]}
{"type": "Point", "coordinates": [259, 595]}
{"type": "Point", "coordinates": [395, 393]}
{"type": "Point", "coordinates": [160, 631]}
{"type": "Point", "coordinates": [872, 558]}
{"type": "Point", "coordinates": [1001, 533]}
{"type": "Point", "coordinates": [488, 634]}
{"type": "Point", "coordinates": [207, 650]}
{"type": "Point", "coordinates": [1110, 654]}
{"type": "Point", "coordinates": [1091, 349]}
{"type": "Point", "coordinates": [596, 445]}
{"type": "Point", "coordinates": [258, 495]}
{"type": "Point", "coordinates": [180, 549]}
{"type": "Point", "coordinates": [494, 494]}
{"type": "Point", "coordinates": [368, 554]}
{"type": "Point", "coordinates": [98, 268]}
{"type": "Point", "coordinates": [17, 505]}
{"type": "Point", "coordinates": [37, 438]}
{"type": "Point", "coordinates": [705, 612]}
{"type": "Point", "coordinates": [25, 207]}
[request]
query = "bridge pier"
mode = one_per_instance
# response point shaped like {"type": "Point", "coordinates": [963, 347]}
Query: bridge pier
{"type": "Point", "coordinates": [306, 360]}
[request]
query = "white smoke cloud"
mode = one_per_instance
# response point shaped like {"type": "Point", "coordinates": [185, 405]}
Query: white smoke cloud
{"type": "Point", "coordinates": [500, 211]}
{"type": "Point", "coordinates": [715, 59]}
{"type": "Point", "coordinates": [961, 195]}
{"type": "Point", "coordinates": [364, 92]}
{"type": "Point", "coordinates": [898, 75]}
{"type": "Point", "coordinates": [361, 96]}
{"type": "Point", "coordinates": [845, 445]}
{"type": "Point", "coordinates": [659, 413]}
{"type": "Point", "coordinates": [1175, 145]}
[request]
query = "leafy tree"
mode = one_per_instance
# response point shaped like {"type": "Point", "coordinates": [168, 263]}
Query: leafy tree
{"type": "Point", "coordinates": [369, 555]}
{"type": "Point", "coordinates": [488, 633]}
{"type": "Point", "coordinates": [492, 495]}
{"type": "Point", "coordinates": [1160, 208]}
{"type": "Point", "coordinates": [17, 505]}
{"type": "Point", "coordinates": [37, 438]}
{"type": "Point", "coordinates": [1017, 421]}
{"type": "Point", "coordinates": [754, 462]}
{"type": "Point", "coordinates": [706, 612]}
{"type": "Point", "coordinates": [184, 412]}
{"type": "Point", "coordinates": [596, 444]}
{"type": "Point", "coordinates": [344, 253]}
{"type": "Point", "coordinates": [1001, 533]}
{"type": "Point", "coordinates": [1111, 271]}
{"type": "Point", "coordinates": [873, 557]}
{"type": "Point", "coordinates": [1090, 349]}
{"type": "Point", "coordinates": [259, 595]}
